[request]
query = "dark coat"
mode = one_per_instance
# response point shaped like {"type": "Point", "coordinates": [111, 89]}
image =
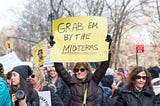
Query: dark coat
{"type": "Point", "coordinates": [133, 98]}
{"type": "Point", "coordinates": [62, 90]}
{"type": "Point", "coordinates": [55, 100]}
{"type": "Point", "coordinates": [77, 87]}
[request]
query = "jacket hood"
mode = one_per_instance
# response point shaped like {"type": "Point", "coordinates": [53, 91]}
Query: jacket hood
{"type": "Point", "coordinates": [156, 85]}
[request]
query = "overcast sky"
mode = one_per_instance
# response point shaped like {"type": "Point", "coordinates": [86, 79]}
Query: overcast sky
{"type": "Point", "coordinates": [7, 16]}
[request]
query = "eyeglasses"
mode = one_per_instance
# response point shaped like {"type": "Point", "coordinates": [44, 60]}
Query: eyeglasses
{"type": "Point", "coordinates": [81, 69]}
{"type": "Point", "coordinates": [32, 76]}
{"type": "Point", "coordinates": [139, 77]}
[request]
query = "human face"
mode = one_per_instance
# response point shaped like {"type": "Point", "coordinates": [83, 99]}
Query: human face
{"type": "Point", "coordinates": [33, 79]}
{"type": "Point", "coordinates": [15, 78]}
{"type": "Point", "coordinates": [82, 73]}
{"type": "Point", "coordinates": [140, 80]}
{"type": "Point", "coordinates": [53, 72]}
{"type": "Point", "coordinates": [118, 77]}
{"type": "Point", "coordinates": [40, 54]}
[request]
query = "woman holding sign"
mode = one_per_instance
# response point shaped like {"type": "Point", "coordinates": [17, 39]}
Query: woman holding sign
{"type": "Point", "coordinates": [83, 84]}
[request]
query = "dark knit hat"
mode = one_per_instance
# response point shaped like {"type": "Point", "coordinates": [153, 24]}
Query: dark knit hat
{"type": "Point", "coordinates": [23, 70]}
{"type": "Point", "coordinates": [107, 81]}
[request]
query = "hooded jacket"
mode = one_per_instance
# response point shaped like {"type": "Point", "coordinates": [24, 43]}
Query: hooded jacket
{"type": "Point", "coordinates": [77, 87]}
{"type": "Point", "coordinates": [5, 99]}
{"type": "Point", "coordinates": [156, 88]}
{"type": "Point", "coordinates": [127, 97]}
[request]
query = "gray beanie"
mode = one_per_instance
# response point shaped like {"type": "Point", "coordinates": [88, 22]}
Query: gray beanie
{"type": "Point", "coordinates": [23, 70]}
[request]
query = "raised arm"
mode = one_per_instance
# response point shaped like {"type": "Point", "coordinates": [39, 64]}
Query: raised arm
{"type": "Point", "coordinates": [62, 72]}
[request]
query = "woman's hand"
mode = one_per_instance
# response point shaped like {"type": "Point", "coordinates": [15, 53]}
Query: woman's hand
{"type": "Point", "coordinates": [13, 99]}
{"type": "Point", "coordinates": [23, 102]}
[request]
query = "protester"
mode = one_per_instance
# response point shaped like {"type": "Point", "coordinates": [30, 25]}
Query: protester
{"type": "Point", "coordinates": [8, 79]}
{"type": "Point", "coordinates": [37, 79]}
{"type": "Point", "coordinates": [106, 85]}
{"type": "Point", "coordinates": [138, 90]}
{"type": "Point", "coordinates": [83, 84]}
{"type": "Point", "coordinates": [70, 72]}
{"type": "Point", "coordinates": [119, 83]}
{"type": "Point", "coordinates": [61, 88]}
{"type": "Point", "coordinates": [5, 99]}
{"type": "Point", "coordinates": [45, 71]}
{"type": "Point", "coordinates": [28, 96]}
{"type": "Point", "coordinates": [155, 81]}
{"type": "Point", "coordinates": [131, 67]}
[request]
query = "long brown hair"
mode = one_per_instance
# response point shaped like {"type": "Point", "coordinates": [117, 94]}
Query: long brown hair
{"type": "Point", "coordinates": [130, 83]}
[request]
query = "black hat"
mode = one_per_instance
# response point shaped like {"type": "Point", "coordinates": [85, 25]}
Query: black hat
{"type": "Point", "coordinates": [23, 70]}
{"type": "Point", "coordinates": [154, 71]}
{"type": "Point", "coordinates": [107, 81]}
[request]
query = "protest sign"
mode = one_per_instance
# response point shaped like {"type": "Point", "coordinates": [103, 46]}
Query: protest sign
{"type": "Point", "coordinates": [9, 61]}
{"type": "Point", "coordinates": [45, 98]}
{"type": "Point", "coordinates": [39, 52]}
{"type": "Point", "coordinates": [80, 39]}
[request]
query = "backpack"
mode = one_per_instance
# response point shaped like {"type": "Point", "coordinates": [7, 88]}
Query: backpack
{"type": "Point", "coordinates": [104, 93]}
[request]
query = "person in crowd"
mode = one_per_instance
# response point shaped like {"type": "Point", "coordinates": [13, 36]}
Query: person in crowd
{"type": "Point", "coordinates": [107, 81]}
{"type": "Point", "coordinates": [119, 83]}
{"type": "Point", "coordinates": [61, 88]}
{"type": "Point", "coordinates": [131, 67]}
{"type": "Point", "coordinates": [155, 81]}
{"type": "Point", "coordinates": [124, 71]}
{"type": "Point", "coordinates": [106, 85]}
{"type": "Point", "coordinates": [8, 79]}
{"type": "Point", "coordinates": [83, 84]}
{"type": "Point", "coordinates": [27, 96]}
{"type": "Point", "coordinates": [37, 79]}
{"type": "Point", "coordinates": [138, 90]}
{"type": "Point", "coordinates": [159, 62]}
{"type": "Point", "coordinates": [70, 72]}
{"type": "Point", "coordinates": [5, 99]}
{"type": "Point", "coordinates": [45, 71]}
{"type": "Point", "coordinates": [120, 69]}
{"type": "Point", "coordinates": [2, 71]}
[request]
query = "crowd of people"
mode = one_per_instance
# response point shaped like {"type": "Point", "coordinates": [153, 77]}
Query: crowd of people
{"type": "Point", "coordinates": [83, 86]}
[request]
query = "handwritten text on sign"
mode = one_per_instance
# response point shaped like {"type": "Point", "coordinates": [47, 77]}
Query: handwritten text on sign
{"type": "Point", "coordinates": [80, 38]}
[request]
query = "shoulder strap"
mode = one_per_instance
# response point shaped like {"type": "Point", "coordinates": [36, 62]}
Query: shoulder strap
{"type": "Point", "coordinates": [85, 94]}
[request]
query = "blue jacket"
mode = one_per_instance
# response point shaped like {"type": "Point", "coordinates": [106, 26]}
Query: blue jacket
{"type": "Point", "coordinates": [5, 99]}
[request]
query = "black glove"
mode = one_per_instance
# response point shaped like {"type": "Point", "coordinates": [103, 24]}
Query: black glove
{"type": "Point", "coordinates": [109, 38]}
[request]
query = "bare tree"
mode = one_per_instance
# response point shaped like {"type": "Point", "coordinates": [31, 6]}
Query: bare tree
{"type": "Point", "coordinates": [32, 27]}
{"type": "Point", "coordinates": [122, 19]}
{"type": "Point", "coordinates": [151, 10]}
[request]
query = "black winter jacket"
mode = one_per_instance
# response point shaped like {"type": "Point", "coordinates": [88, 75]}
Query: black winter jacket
{"type": "Point", "coordinates": [133, 98]}
{"type": "Point", "coordinates": [77, 87]}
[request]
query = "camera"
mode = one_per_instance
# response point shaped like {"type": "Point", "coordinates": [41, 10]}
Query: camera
{"type": "Point", "coordinates": [20, 94]}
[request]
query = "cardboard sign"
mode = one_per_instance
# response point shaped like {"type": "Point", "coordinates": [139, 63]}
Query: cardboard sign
{"type": "Point", "coordinates": [9, 61]}
{"type": "Point", "coordinates": [45, 98]}
{"type": "Point", "coordinates": [39, 52]}
{"type": "Point", "coordinates": [80, 39]}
